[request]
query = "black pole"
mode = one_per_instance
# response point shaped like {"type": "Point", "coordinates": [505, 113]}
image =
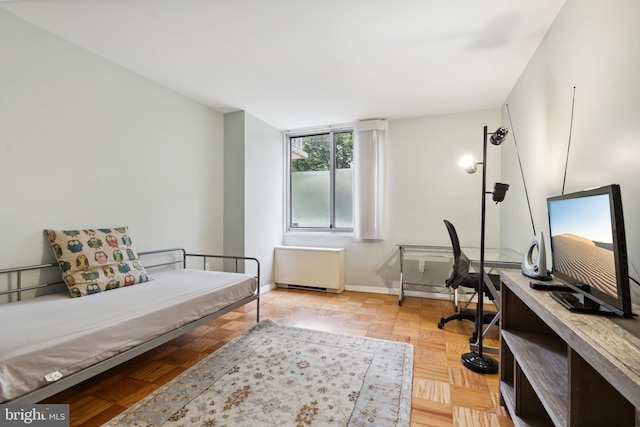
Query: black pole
{"type": "Point", "coordinates": [477, 361]}
{"type": "Point", "coordinates": [480, 308]}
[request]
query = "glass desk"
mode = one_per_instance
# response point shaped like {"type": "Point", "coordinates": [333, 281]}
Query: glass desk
{"type": "Point", "coordinates": [494, 258]}
{"type": "Point", "coordinates": [411, 250]}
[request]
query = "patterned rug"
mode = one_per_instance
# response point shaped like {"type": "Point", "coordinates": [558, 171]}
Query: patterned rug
{"type": "Point", "coordinates": [282, 376]}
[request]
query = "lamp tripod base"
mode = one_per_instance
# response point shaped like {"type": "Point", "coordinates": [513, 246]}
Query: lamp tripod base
{"type": "Point", "coordinates": [481, 364]}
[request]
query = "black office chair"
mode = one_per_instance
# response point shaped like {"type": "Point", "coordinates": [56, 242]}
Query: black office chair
{"type": "Point", "coordinates": [460, 276]}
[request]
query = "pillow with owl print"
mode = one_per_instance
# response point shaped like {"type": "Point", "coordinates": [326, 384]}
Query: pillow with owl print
{"type": "Point", "coordinates": [99, 260]}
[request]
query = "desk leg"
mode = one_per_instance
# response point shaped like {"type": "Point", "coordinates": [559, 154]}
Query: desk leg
{"type": "Point", "coordinates": [401, 293]}
{"type": "Point", "coordinates": [496, 301]}
{"type": "Point", "coordinates": [486, 348]}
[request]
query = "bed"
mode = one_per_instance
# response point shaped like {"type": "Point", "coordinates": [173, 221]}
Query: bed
{"type": "Point", "coordinates": [49, 341]}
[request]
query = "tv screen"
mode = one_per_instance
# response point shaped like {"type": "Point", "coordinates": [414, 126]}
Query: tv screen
{"type": "Point", "coordinates": [588, 245]}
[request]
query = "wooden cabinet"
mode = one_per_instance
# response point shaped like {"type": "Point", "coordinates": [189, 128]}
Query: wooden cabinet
{"type": "Point", "coordinates": [562, 368]}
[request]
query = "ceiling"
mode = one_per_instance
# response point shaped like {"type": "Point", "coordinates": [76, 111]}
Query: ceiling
{"type": "Point", "coordinates": [303, 63]}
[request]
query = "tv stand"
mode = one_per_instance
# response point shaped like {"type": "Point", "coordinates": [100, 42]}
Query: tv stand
{"type": "Point", "coordinates": [563, 368]}
{"type": "Point", "coordinates": [580, 304]}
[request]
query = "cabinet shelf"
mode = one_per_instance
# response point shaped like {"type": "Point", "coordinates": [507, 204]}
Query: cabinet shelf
{"type": "Point", "coordinates": [508, 393]}
{"type": "Point", "coordinates": [543, 360]}
{"type": "Point", "coordinates": [555, 368]}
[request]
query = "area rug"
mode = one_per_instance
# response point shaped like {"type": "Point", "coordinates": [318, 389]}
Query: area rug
{"type": "Point", "coordinates": [283, 376]}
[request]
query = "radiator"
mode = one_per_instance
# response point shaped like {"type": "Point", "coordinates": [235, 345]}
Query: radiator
{"type": "Point", "coordinates": [309, 268]}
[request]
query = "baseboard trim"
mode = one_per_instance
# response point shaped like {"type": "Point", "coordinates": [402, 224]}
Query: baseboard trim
{"type": "Point", "coordinates": [385, 291]}
{"type": "Point", "coordinates": [396, 291]}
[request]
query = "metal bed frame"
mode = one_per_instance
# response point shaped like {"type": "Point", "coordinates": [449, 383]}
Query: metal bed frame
{"type": "Point", "coordinates": [181, 259]}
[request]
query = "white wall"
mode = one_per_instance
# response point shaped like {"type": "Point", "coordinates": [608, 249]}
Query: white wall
{"type": "Point", "coordinates": [253, 195]}
{"type": "Point", "coordinates": [424, 187]}
{"type": "Point", "coordinates": [592, 45]}
{"type": "Point", "coordinates": [85, 143]}
{"type": "Point", "coordinates": [234, 184]}
{"type": "Point", "coordinates": [264, 198]}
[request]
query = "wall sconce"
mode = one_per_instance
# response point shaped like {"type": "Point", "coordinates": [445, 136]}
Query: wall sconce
{"type": "Point", "coordinates": [477, 361]}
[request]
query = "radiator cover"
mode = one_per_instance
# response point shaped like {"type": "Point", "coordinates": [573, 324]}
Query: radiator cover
{"type": "Point", "coordinates": [308, 267]}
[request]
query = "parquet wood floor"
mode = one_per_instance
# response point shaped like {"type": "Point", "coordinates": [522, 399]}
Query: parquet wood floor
{"type": "Point", "coordinates": [444, 392]}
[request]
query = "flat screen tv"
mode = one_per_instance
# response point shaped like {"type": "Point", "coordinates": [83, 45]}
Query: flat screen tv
{"type": "Point", "coordinates": [588, 247]}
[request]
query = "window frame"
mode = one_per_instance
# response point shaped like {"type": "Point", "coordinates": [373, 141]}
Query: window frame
{"type": "Point", "coordinates": [288, 136]}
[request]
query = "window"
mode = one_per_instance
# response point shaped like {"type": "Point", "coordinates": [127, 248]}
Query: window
{"type": "Point", "coordinates": [320, 180]}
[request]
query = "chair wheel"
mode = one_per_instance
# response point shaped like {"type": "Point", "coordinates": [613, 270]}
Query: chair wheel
{"type": "Point", "coordinates": [441, 323]}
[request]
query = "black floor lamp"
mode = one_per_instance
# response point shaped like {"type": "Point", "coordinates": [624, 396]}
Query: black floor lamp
{"type": "Point", "coordinates": [476, 361]}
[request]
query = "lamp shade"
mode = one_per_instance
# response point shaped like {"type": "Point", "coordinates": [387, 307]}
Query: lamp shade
{"type": "Point", "coordinates": [499, 191]}
{"type": "Point", "coordinates": [468, 164]}
{"type": "Point", "coordinates": [499, 135]}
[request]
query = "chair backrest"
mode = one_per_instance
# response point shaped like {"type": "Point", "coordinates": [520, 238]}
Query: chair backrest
{"type": "Point", "coordinates": [460, 260]}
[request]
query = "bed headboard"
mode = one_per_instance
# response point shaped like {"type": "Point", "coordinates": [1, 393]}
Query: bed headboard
{"type": "Point", "coordinates": [32, 281]}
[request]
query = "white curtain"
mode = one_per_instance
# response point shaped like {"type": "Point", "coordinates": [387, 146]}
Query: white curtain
{"type": "Point", "coordinates": [369, 179]}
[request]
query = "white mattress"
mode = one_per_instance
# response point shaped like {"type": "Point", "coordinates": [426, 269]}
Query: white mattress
{"type": "Point", "coordinates": [56, 333]}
